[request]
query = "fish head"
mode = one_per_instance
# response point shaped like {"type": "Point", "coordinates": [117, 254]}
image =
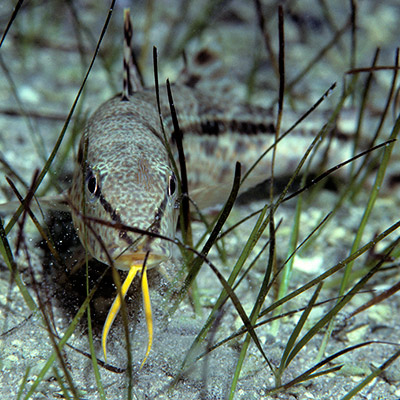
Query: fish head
{"type": "Point", "coordinates": [122, 183]}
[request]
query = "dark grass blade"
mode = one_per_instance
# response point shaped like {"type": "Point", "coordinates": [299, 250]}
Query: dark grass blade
{"type": "Point", "coordinates": [37, 138]}
{"type": "Point", "coordinates": [198, 25]}
{"type": "Point", "coordinates": [297, 123]}
{"type": "Point", "coordinates": [64, 129]}
{"type": "Point", "coordinates": [243, 330]}
{"type": "Point", "coordinates": [177, 135]}
{"type": "Point", "coordinates": [24, 381]}
{"type": "Point", "coordinates": [8, 257]}
{"type": "Point", "coordinates": [310, 373]}
{"type": "Point", "coordinates": [272, 243]}
{"type": "Point", "coordinates": [11, 20]}
{"type": "Point", "coordinates": [61, 384]}
{"type": "Point", "coordinates": [48, 327]}
{"type": "Point", "coordinates": [376, 300]}
{"type": "Point", "coordinates": [93, 357]}
{"type": "Point", "coordinates": [363, 105]}
{"type": "Point", "coordinates": [353, 22]}
{"type": "Point", "coordinates": [368, 246]}
{"type": "Point", "coordinates": [70, 330]}
{"type": "Point", "coordinates": [328, 317]}
{"type": "Point", "coordinates": [51, 115]}
{"type": "Point", "coordinates": [137, 75]}
{"type": "Point", "coordinates": [267, 38]}
{"type": "Point", "coordinates": [372, 376]}
{"type": "Point", "coordinates": [367, 212]}
{"type": "Point", "coordinates": [318, 56]}
{"type": "Point", "coordinates": [281, 31]}
{"type": "Point", "coordinates": [295, 334]}
{"type": "Point", "coordinates": [369, 69]}
{"type": "Point", "coordinates": [280, 101]}
{"type": "Point", "coordinates": [197, 263]}
{"type": "Point", "coordinates": [166, 139]}
{"type": "Point", "coordinates": [338, 166]}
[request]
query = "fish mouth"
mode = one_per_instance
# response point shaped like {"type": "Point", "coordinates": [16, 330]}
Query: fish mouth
{"type": "Point", "coordinates": [127, 260]}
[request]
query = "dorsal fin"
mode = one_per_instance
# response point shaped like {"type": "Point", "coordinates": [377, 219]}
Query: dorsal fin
{"type": "Point", "coordinates": [132, 77]}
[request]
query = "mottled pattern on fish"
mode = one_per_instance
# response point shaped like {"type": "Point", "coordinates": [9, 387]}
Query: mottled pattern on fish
{"type": "Point", "coordinates": [127, 157]}
{"type": "Point", "coordinates": [127, 178]}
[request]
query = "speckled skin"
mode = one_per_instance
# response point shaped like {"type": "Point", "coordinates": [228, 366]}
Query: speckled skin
{"type": "Point", "coordinates": [128, 158]}
{"type": "Point", "coordinates": [127, 154]}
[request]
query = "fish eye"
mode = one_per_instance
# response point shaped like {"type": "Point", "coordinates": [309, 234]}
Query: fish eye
{"type": "Point", "coordinates": [92, 184]}
{"type": "Point", "coordinates": [171, 184]}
